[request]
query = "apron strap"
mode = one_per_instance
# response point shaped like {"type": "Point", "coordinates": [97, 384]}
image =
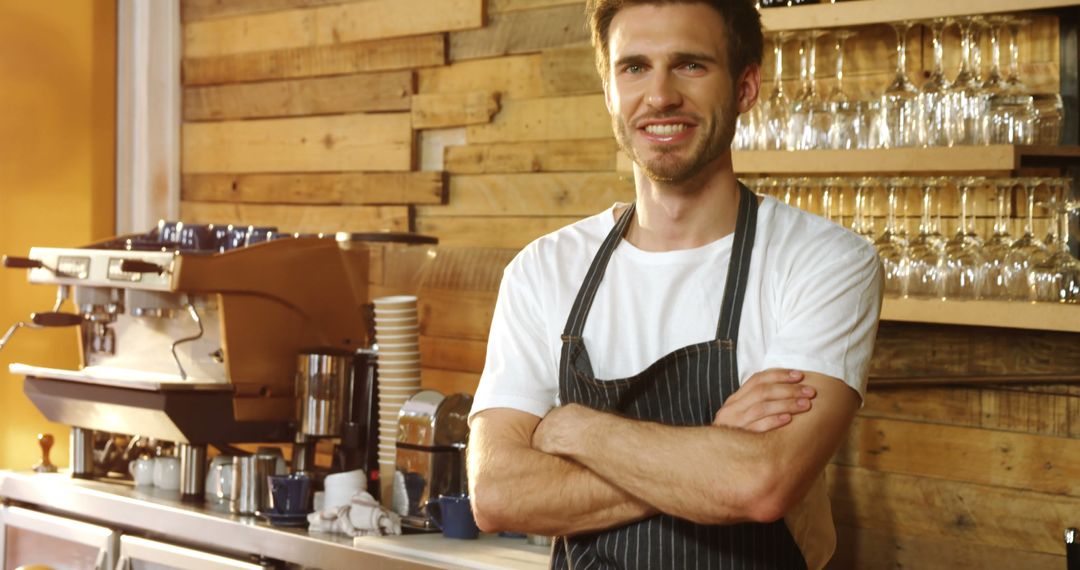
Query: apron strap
{"type": "Point", "coordinates": [575, 324]}
{"type": "Point", "coordinates": [742, 246]}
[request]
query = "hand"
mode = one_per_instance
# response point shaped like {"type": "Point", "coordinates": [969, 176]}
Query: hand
{"type": "Point", "coordinates": [560, 428]}
{"type": "Point", "coordinates": [767, 401]}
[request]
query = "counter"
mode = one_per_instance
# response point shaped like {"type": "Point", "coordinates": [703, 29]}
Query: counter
{"type": "Point", "coordinates": [210, 526]}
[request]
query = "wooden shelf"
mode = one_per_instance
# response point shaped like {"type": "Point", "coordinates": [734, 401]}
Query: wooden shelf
{"type": "Point", "coordinates": [864, 12]}
{"type": "Point", "coordinates": [982, 160]}
{"type": "Point", "coordinates": [1005, 314]}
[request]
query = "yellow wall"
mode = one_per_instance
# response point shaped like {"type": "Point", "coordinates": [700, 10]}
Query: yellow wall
{"type": "Point", "coordinates": [57, 155]}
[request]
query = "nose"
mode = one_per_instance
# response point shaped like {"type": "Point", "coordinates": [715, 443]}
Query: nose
{"type": "Point", "coordinates": [663, 92]}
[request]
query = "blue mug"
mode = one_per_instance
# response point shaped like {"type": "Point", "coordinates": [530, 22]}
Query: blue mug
{"type": "Point", "coordinates": [453, 515]}
{"type": "Point", "coordinates": [290, 494]}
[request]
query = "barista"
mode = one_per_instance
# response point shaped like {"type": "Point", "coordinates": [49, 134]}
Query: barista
{"type": "Point", "coordinates": [666, 380]}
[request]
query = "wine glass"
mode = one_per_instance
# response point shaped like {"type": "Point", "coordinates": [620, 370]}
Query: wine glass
{"type": "Point", "coordinates": [1057, 277]}
{"type": "Point", "coordinates": [935, 118]}
{"type": "Point", "coordinates": [925, 249]}
{"type": "Point", "coordinates": [996, 249]}
{"type": "Point", "coordinates": [805, 123]}
{"type": "Point", "coordinates": [961, 275]}
{"type": "Point", "coordinates": [890, 245]}
{"type": "Point", "coordinates": [832, 199]}
{"type": "Point", "coordinates": [899, 102]}
{"type": "Point", "coordinates": [1027, 250]}
{"type": "Point", "coordinates": [777, 108]}
{"type": "Point", "coordinates": [967, 100]}
{"type": "Point", "coordinates": [843, 130]}
{"type": "Point", "coordinates": [1011, 115]}
{"type": "Point", "coordinates": [862, 222]}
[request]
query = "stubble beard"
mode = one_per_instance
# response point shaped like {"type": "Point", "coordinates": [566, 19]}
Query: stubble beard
{"type": "Point", "coordinates": [714, 139]}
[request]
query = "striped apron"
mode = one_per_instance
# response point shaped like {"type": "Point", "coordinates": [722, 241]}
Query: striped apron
{"type": "Point", "coordinates": [684, 388]}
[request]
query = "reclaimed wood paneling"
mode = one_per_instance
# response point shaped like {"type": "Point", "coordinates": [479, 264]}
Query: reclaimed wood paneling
{"type": "Point", "coordinates": [327, 25]}
{"type": "Point", "coordinates": [570, 71]}
{"type": "Point", "coordinates": [456, 314]}
{"type": "Point", "coordinates": [559, 194]}
{"type": "Point", "coordinates": [347, 142]}
{"type": "Point", "coordinates": [514, 77]}
{"type": "Point", "coordinates": [543, 156]}
{"type": "Point", "coordinates": [860, 548]}
{"type": "Point", "coordinates": [449, 381]}
{"type": "Point", "coordinates": [498, 6]}
{"type": "Point", "coordinates": [553, 118]}
{"type": "Point", "coordinates": [354, 57]}
{"type": "Point", "coordinates": [461, 355]}
{"type": "Point", "coordinates": [521, 32]}
{"type": "Point", "coordinates": [321, 188]}
{"type": "Point", "coordinates": [303, 219]}
{"type": "Point", "coordinates": [486, 231]}
{"type": "Point", "coordinates": [194, 10]}
{"type": "Point", "coordinates": [904, 505]}
{"type": "Point", "coordinates": [389, 91]}
{"type": "Point", "coordinates": [982, 456]}
{"type": "Point", "coordinates": [436, 111]}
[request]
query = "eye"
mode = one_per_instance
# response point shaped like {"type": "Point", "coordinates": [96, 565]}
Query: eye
{"type": "Point", "coordinates": [694, 66]}
{"type": "Point", "coordinates": [634, 68]}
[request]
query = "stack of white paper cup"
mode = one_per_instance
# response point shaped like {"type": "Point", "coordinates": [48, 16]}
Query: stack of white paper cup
{"type": "Point", "coordinates": [398, 337]}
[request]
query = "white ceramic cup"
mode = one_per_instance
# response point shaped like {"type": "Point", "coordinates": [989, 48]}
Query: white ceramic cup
{"type": "Point", "coordinates": [167, 473]}
{"type": "Point", "coordinates": [339, 488]}
{"type": "Point", "coordinates": [395, 302]}
{"type": "Point", "coordinates": [142, 471]}
{"type": "Point", "coordinates": [219, 478]}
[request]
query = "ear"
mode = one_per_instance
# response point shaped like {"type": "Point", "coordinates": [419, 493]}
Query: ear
{"type": "Point", "coordinates": [607, 95]}
{"type": "Point", "coordinates": [748, 88]}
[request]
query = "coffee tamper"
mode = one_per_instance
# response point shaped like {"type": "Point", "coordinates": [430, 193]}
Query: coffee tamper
{"type": "Point", "coordinates": [45, 440]}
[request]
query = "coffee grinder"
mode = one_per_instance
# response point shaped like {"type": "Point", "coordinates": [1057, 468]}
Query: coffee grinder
{"type": "Point", "coordinates": [336, 399]}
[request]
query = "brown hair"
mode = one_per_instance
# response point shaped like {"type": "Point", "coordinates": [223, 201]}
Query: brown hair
{"type": "Point", "coordinates": [742, 25]}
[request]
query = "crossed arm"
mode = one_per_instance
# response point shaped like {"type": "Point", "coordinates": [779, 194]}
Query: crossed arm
{"type": "Point", "coordinates": [581, 470]}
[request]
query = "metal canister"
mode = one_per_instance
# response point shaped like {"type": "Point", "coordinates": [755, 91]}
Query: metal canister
{"type": "Point", "coordinates": [322, 384]}
{"type": "Point", "coordinates": [250, 491]}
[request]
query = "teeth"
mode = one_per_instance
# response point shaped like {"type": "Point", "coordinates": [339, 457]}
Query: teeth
{"type": "Point", "coordinates": [665, 129]}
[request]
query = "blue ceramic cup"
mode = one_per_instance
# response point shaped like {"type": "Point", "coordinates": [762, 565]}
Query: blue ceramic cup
{"type": "Point", "coordinates": [290, 494]}
{"type": "Point", "coordinates": [453, 515]}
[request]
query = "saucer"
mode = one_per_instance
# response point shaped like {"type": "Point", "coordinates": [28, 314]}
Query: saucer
{"type": "Point", "coordinates": [281, 519]}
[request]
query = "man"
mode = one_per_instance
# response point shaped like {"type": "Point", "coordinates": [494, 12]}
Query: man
{"type": "Point", "coordinates": [650, 370]}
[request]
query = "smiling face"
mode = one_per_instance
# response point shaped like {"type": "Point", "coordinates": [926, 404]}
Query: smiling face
{"type": "Point", "coordinates": [672, 98]}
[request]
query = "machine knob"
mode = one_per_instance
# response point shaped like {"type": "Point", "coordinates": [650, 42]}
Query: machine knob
{"type": "Point", "coordinates": [55, 319]}
{"type": "Point", "coordinates": [136, 266]}
{"type": "Point", "coordinates": [45, 440]}
{"type": "Point", "coordinates": [22, 262]}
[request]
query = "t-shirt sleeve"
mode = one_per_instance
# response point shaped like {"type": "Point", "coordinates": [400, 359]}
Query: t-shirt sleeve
{"type": "Point", "coordinates": [829, 316]}
{"type": "Point", "coordinates": [518, 370]}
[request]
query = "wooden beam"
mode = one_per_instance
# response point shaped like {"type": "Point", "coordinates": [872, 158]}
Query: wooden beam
{"type": "Point", "coordinates": [462, 355]}
{"type": "Point", "coordinates": [514, 77]}
{"type": "Point", "coordinates": [555, 118]}
{"type": "Point", "coordinates": [512, 232]}
{"type": "Point", "coordinates": [455, 313]}
{"type": "Point", "coordinates": [304, 219]}
{"type": "Point", "coordinates": [328, 25]}
{"type": "Point", "coordinates": [195, 10]}
{"type": "Point", "coordinates": [449, 381]}
{"type": "Point", "coordinates": [543, 156]}
{"type": "Point", "coordinates": [905, 505]}
{"type": "Point", "coordinates": [499, 6]}
{"type": "Point", "coordinates": [348, 188]}
{"type": "Point", "coordinates": [453, 109]}
{"type": "Point", "coordinates": [570, 71]}
{"type": "Point", "coordinates": [353, 57]}
{"type": "Point", "coordinates": [883, 11]}
{"type": "Point", "coordinates": [858, 548]}
{"type": "Point", "coordinates": [347, 142]}
{"type": "Point", "coordinates": [390, 91]}
{"type": "Point", "coordinates": [973, 455]}
{"type": "Point", "coordinates": [558, 194]}
{"type": "Point", "coordinates": [521, 32]}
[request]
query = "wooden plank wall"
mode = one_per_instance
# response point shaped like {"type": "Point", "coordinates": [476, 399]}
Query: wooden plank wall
{"type": "Point", "coordinates": [482, 122]}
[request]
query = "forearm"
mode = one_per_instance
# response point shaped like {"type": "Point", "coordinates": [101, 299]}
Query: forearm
{"type": "Point", "coordinates": [515, 487]}
{"type": "Point", "coordinates": [708, 474]}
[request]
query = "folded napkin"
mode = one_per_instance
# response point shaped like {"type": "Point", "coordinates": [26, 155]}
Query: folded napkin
{"type": "Point", "coordinates": [363, 516]}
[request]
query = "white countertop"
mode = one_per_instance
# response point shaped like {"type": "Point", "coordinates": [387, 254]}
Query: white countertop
{"type": "Point", "coordinates": [489, 552]}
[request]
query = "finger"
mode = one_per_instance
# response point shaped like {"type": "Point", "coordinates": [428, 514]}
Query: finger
{"type": "Point", "coordinates": [774, 408]}
{"type": "Point", "coordinates": [787, 392]}
{"type": "Point", "coordinates": [769, 423]}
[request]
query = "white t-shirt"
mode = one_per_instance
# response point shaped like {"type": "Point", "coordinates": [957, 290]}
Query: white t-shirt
{"type": "Point", "coordinates": [812, 302]}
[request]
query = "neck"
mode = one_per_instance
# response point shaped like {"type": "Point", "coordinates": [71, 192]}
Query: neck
{"type": "Point", "coordinates": [685, 215]}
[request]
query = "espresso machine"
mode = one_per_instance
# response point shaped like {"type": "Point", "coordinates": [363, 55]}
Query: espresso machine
{"type": "Point", "coordinates": [190, 334]}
